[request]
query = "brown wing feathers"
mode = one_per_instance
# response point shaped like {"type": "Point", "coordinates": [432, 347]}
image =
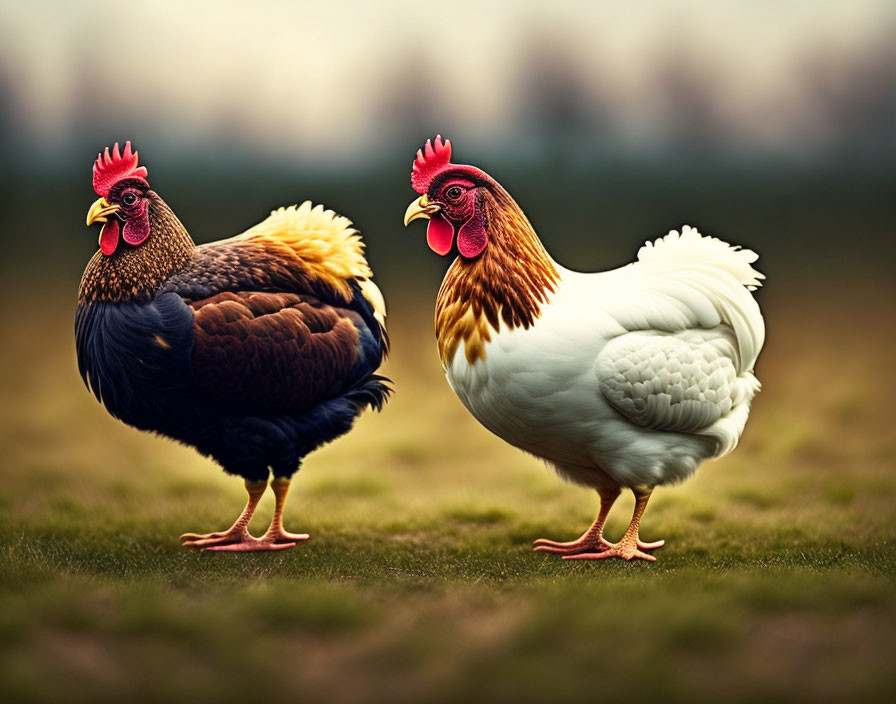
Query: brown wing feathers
{"type": "Point", "coordinates": [273, 351]}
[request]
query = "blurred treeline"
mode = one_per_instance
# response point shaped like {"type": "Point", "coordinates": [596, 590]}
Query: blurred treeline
{"type": "Point", "coordinates": [819, 206]}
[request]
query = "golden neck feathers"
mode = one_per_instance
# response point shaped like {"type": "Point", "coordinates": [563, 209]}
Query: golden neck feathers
{"type": "Point", "coordinates": [507, 283]}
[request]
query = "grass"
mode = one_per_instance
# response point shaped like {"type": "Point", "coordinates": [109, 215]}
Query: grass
{"type": "Point", "coordinates": [419, 583]}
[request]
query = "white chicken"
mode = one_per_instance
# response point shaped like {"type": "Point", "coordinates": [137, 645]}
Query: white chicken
{"type": "Point", "coordinates": [623, 378]}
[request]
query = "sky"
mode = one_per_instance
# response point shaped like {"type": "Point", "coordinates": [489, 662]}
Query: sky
{"type": "Point", "coordinates": [335, 79]}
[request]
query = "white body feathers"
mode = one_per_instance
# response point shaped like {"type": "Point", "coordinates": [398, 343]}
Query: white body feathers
{"type": "Point", "coordinates": [629, 377]}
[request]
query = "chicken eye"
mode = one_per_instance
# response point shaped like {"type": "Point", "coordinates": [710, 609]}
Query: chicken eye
{"type": "Point", "coordinates": [129, 199]}
{"type": "Point", "coordinates": [454, 193]}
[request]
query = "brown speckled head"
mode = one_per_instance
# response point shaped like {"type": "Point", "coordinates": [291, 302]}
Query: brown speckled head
{"type": "Point", "coordinates": [134, 273]}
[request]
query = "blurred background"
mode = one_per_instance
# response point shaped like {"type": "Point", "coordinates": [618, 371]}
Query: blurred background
{"type": "Point", "coordinates": [771, 125]}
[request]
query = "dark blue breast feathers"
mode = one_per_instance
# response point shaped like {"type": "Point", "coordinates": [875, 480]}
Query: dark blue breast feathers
{"type": "Point", "coordinates": [135, 358]}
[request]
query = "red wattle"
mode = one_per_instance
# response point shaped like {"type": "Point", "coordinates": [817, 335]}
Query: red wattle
{"type": "Point", "coordinates": [471, 239]}
{"type": "Point", "coordinates": [136, 230]}
{"type": "Point", "coordinates": [439, 234]}
{"type": "Point", "coordinates": [109, 237]}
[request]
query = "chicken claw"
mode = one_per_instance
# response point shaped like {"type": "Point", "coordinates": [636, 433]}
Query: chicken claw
{"type": "Point", "coordinates": [241, 541]}
{"type": "Point", "coordinates": [630, 546]}
{"type": "Point", "coordinates": [625, 552]}
{"type": "Point", "coordinates": [584, 545]}
{"type": "Point", "coordinates": [250, 545]}
{"type": "Point", "coordinates": [237, 537]}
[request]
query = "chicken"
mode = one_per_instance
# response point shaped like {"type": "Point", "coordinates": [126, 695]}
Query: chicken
{"type": "Point", "coordinates": [255, 350]}
{"type": "Point", "coordinates": [627, 378]}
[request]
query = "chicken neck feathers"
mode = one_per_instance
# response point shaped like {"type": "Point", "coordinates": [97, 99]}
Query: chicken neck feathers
{"type": "Point", "coordinates": [136, 273]}
{"type": "Point", "coordinates": [507, 284]}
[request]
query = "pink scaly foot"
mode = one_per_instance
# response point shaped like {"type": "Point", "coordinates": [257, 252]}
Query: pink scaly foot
{"type": "Point", "coordinates": [236, 539]}
{"type": "Point", "coordinates": [631, 546]}
{"type": "Point", "coordinates": [275, 538]}
{"type": "Point", "coordinates": [238, 532]}
{"type": "Point", "coordinates": [628, 552]}
{"type": "Point", "coordinates": [583, 545]}
{"type": "Point", "coordinates": [250, 544]}
{"type": "Point", "coordinates": [592, 539]}
{"type": "Point", "coordinates": [199, 540]}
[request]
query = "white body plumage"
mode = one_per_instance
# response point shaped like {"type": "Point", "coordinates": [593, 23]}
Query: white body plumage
{"type": "Point", "coordinates": [629, 377]}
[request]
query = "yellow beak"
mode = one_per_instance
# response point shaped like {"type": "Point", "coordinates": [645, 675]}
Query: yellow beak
{"type": "Point", "coordinates": [420, 208]}
{"type": "Point", "coordinates": [99, 211]}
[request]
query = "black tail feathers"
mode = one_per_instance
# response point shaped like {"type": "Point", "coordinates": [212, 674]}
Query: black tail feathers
{"type": "Point", "coordinates": [374, 391]}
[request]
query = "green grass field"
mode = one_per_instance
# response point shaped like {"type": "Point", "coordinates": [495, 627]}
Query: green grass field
{"type": "Point", "coordinates": [418, 583]}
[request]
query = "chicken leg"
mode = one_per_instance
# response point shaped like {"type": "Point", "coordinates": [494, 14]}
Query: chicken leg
{"type": "Point", "coordinates": [275, 532]}
{"type": "Point", "coordinates": [274, 538]}
{"type": "Point", "coordinates": [630, 546]}
{"type": "Point", "coordinates": [591, 540]}
{"type": "Point", "coordinates": [239, 531]}
{"type": "Point", "coordinates": [237, 537]}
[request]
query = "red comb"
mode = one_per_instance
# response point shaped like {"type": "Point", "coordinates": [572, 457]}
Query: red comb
{"type": "Point", "coordinates": [109, 170]}
{"type": "Point", "coordinates": [430, 161]}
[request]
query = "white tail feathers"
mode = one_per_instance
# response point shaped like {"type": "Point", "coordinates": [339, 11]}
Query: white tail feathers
{"type": "Point", "coordinates": [704, 271]}
{"type": "Point", "coordinates": [691, 248]}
